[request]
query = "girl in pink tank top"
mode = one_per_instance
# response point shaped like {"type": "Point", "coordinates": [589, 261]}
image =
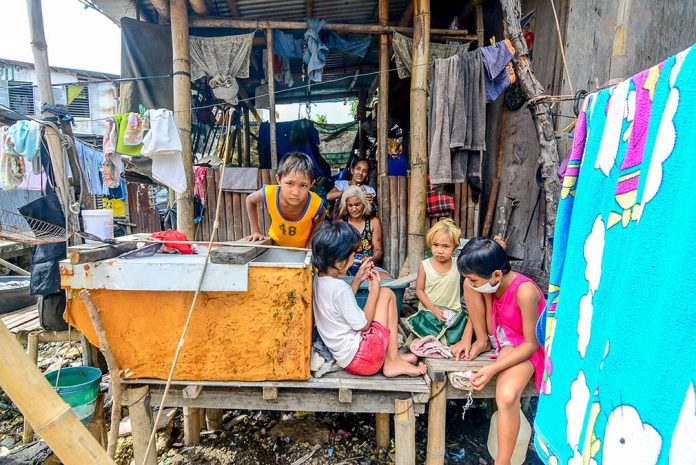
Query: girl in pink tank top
{"type": "Point", "coordinates": [515, 303]}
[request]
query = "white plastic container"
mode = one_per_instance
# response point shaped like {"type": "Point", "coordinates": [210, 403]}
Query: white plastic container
{"type": "Point", "coordinates": [100, 223]}
{"type": "Point", "coordinates": [519, 454]}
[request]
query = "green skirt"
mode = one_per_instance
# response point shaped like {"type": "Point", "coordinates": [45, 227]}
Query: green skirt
{"type": "Point", "coordinates": [425, 323]}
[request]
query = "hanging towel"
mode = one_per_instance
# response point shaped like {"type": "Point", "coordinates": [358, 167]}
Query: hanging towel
{"type": "Point", "coordinates": [163, 144]}
{"type": "Point", "coordinates": [496, 61]}
{"type": "Point", "coordinates": [403, 50]}
{"type": "Point", "coordinates": [91, 161]}
{"type": "Point", "coordinates": [225, 59]}
{"type": "Point", "coordinates": [12, 165]}
{"type": "Point", "coordinates": [316, 51]}
{"type": "Point", "coordinates": [620, 362]}
{"type": "Point", "coordinates": [442, 101]}
{"type": "Point", "coordinates": [469, 127]}
{"type": "Point", "coordinates": [121, 146]}
{"type": "Point", "coordinates": [26, 138]}
{"type": "Point", "coordinates": [112, 167]}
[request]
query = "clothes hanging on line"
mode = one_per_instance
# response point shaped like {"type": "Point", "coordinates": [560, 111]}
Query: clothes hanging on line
{"type": "Point", "coordinates": [625, 206]}
{"type": "Point", "coordinates": [224, 59]}
{"type": "Point", "coordinates": [12, 165]}
{"type": "Point", "coordinates": [26, 138]}
{"type": "Point", "coordinates": [499, 73]}
{"type": "Point", "coordinates": [91, 161]}
{"type": "Point", "coordinates": [35, 177]}
{"type": "Point", "coordinates": [457, 116]}
{"type": "Point", "coordinates": [162, 143]}
{"type": "Point", "coordinates": [403, 50]}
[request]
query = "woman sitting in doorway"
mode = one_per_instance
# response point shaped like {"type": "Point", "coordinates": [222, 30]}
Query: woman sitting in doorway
{"type": "Point", "coordinates": [356, 209]}
{"type": "Point", "coordinates": [359, 174]}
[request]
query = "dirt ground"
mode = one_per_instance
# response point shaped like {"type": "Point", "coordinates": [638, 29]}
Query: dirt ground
{"type": "Point", "coordinates": [263, 437]}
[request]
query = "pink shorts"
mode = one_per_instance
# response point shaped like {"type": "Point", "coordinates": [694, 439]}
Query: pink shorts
{"type": "Point", "coordinates": [372, 351]}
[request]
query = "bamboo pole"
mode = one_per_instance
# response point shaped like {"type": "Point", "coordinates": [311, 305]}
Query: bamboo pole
{"type": "Point", "coordinates": [216, 22]}
{"type": "Point", "coordinates": [403, 218]}
{"type": "Point", "coordinates": [437, 412]}
{"type": "Point", "coordinates": [182, 113]}
{"type": "Point", "coordinates": [394, 223]}
{"type": "Point", "coordinates": [419, 139]}
{"type": "Point", "coordinates": [532, 88]}
{"type": "Point", "coordinates": [114, 372]}
{"type": "Point", "coordinates": [271, 97]}
{"type": "Point", "coordinates": [382, 140]}
{"type": "Point", "coordinates": [382, 429]}
{"type": "Point", "coordinates": [247, 136]}
{"type": "Point", "coordinates": [404, 432]}
{"type": "Point", "coordinates": [495, 185]}
{"type": "Point", "coordinates": [45, 410]}
{"type": "Point", "coordinates": [43, 78]}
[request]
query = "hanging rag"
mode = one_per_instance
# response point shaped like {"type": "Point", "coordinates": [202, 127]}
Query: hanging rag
{"type": "Point", "coordinates": [91, 161]}
{"type": "Point", "coordinates": [121, 146]}
{"type": "Point", "coordinates": [112, 166]}
{"type": "Point", "coordinates": [35, 177]}
{"type": "Point", "coordinates": [199, 176]}
{"type": "Point", "coordinates": [316, 51]}
{"type": "Point", "coordinates": [499, 73]}
{"type": "Point", "coordinates": [627, 201]}
{"type": "Point", "coordinates": [358, 47]}
{"type": "Point", "coordinates": [12, 165]}
{"type": "Point", "coordinates": [225, 59]}
{"type": "Point", "coordinates": [243, 180]}
{"type": "Point", "coordinates": [135, 129]}
{"type": "Point", "coordinates": [460, 379]}
{"type": "Point", "coordinates": [286, 45]}
{"type": "Point", "coordinates": [162, 144]}
{"type": "Point", "coordinates": [403, 50]}
{"type": "Point", "coordinates": [430, 347]}
{"type": "Point", "coordinates": [469, 128]}
{"type": "Point", "coordinates": [26, 138]}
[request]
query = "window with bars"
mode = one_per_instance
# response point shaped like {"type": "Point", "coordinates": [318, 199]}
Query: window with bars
{"type": "Point", "coordinates": [21, 97]}
{"type": "Point", "coordinates": [78, 101]}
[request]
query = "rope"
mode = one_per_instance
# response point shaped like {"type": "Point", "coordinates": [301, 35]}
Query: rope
{"type": "Point", "coordinates": [180, 345]}
{"type": "Point", "coordinates": [560, 45]}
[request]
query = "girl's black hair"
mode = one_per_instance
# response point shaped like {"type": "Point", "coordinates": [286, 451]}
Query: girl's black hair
{"type": "Point", "coordinates": [332, 243]}
{"type": "Point", "coordinates": [482, 256]}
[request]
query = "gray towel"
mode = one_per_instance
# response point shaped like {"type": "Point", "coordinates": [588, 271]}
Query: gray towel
{"type": "Point", "coordinates": [469, 128]}
{"type": "Point", "coordinates": [440, 119]}
{"type": "Point", "coordinates": [403, 51]}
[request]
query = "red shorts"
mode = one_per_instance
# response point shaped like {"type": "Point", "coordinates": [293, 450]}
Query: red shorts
{"type": "Point", "coordinates": [372, 351]}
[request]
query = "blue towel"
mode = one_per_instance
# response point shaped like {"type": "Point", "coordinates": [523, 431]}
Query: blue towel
{"type": "Point", "coordinates": [26, 137]}
{"type": "Point", "coordinates": [621, 356]}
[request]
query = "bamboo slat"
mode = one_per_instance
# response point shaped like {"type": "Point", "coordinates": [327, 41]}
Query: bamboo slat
{"type": "Point", "coordinates": [237, 208]}
{"type": "Point", "coordinates": [457, 203]}
{"type": "Point", "coordinates": [463, 202]}
{"type": "Point", "coordinates": [210, 200]}
{"type": "Point", "coordinates": [228, 224]}
{"type": "Point", "coordinates": [394, 221]}
{"type": "Point", "coordinates": [246, 230]}
{"type": "Point", "coordinates": [268, 178]}
{"type": "Point", "coordinates": [403, 218]}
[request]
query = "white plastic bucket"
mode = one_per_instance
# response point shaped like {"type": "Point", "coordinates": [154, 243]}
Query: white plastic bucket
{"type": "Point", "coordinates": [100, 223]}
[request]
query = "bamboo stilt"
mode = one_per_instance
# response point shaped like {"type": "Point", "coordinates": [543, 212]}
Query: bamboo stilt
{"type": "Point", "coordinates": [382, 429]}
{"type": "Point", "coordinates": [437, 411]}
{"type": "Point", "coordinates": [182, 114]}
{"type": "Point", "coordinates": [419, 135]}
{"type": "Point", "coordinates": [52, 418]}
{"type": "Point", "coordinates": [192, 426]}
{"type": "Point", "coordinates": [114, 372]}
{"type": "Point", "coordinates": [138, 403]}
{"type": "Point", "coordinates": [405, 432]}
{"type": "Point", "coordinates": [385, 205]}
{"type": "Point", "coordinates": [271, 97]}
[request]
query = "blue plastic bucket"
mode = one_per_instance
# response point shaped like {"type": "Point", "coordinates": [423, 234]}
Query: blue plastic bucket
{"type": "Point", "coordinates": [78, 386]}
{"type": "Point", "coordinates": [361, 296]}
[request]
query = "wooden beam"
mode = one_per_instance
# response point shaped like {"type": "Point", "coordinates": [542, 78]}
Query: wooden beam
{"type": "Point", "coordinates": [479, 25]}
{"type": "Point", "coordinates": [418, 136]}
{"type": "Point", "coordinates": [182, 113]}
{"type": "Point", "coordinates": [532, 88]}
{"type": "Point", "coordinates": [271, 97]}
{"type": "Point", "coordinates": [383, 134]}
{"type": "Point", "coordinates": [192, 426]}
{"type": "Point", "coordinates": [234, 8]}
{"type": "Point", "coordinates": [51, 417]}
{"type": "Point", "coordinates": [216, 22]}
{"type": "Point", "coordinates": [309, 8]}
{"type": "Point", "coordinates": [199, 7]}
{"type": "Point", "coordinates": [382, 429]}
{"type": "Point", "coordinates": [437, 412]}
{"type": "Point", "coordinates": [162, 8]}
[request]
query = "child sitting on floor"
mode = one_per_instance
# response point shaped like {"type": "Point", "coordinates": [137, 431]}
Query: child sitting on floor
{"type": "Point", "coordinates": [362, 342]}
{"type": "Point", "coordinates": [437, 288]}
{"type": "Point", "coordinates": [515, 303]}
{"type": "Point", "coordinates": [294, 210]}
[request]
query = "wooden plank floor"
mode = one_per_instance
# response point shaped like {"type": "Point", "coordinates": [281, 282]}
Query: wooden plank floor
{"type": "Point", "coordinates": [23, 320]}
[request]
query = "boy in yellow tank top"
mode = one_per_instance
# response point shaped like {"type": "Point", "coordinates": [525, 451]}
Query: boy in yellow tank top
{"type": "Point", "coordinates": [295, 211]}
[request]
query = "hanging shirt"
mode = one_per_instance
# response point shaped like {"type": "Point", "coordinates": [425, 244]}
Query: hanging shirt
{"type": "Point", "coordinates": [289, 233]}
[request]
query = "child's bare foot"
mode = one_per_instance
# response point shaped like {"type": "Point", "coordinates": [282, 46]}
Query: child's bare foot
{"type": "Point", "coordinates": [479, 347]}
{"type": "Point", "coordinates": [409, 357]}
{"type": "Point", "coordinates": [402, 367]}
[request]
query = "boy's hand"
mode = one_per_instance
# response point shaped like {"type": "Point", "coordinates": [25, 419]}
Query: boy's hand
{"type": "Point", "coordinates": [439, 313]}
{"type": "Point", "coordinates": [255, 237]}
{"type": "Point", "coordinates": [365, 267]}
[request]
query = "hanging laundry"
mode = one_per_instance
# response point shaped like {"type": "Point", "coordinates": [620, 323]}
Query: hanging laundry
{"type": "Point", "coordinates": [499, 73]}
{"type": "Point", "coordinates": [121, 146]}
{"type": "Point", "coordinates": [403, 50]}
{"type": "Point", "coordinates": [224, 59]}
{"type": "Point", "coordinates": [112, 167]}
{"type": "Point", "coordinates": [135, 129]}
{"type": "Point", "coordinates": [12, 165]}
{"type": "Point", "coordinates": [91, 161]}
{"type": "Point", "coordinates": [35, 176]}
{"type": "Point", "coordinates": [316, 51]}
{"type": "Point", "coordinates": [625, 209]}
{"type": "Point", "coordinates": [26, 138]}
{"type": "Point", "coordinates": [357, 47]}
{"type": "Point", "coordinates": [243, 180]}
{"type": "Point", "coordinates": [162, 143]}
{"type": "Point", "coordinates": [199, 173]}
{"type": "Point", "coordinates": [457, 117]}
{"type": "Point", "coordinates": [286, 45]}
